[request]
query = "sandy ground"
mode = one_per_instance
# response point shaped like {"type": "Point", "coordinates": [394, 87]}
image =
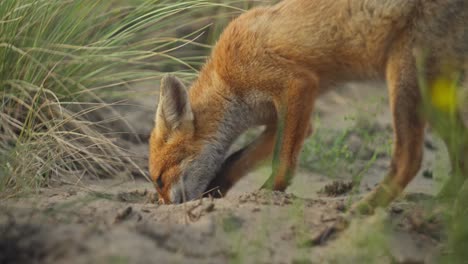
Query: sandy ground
{"type": "Point", "coordinates": [117, 221]}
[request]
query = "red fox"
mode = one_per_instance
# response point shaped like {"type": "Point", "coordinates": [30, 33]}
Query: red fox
{"type": "Point", "coordinates": [271, 64]}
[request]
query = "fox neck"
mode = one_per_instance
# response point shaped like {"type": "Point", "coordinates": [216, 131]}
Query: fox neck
{"type": "Point", "coordinates": [220, 118]}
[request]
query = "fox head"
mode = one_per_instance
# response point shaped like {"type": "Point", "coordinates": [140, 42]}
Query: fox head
{"type": "Point", "coordinates": [175, 152]}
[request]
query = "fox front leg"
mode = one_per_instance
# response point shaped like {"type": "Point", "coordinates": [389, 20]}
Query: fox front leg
{"type": "Point", "coordinates": [294, 108]}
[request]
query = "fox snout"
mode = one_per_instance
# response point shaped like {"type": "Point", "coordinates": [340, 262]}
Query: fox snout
{"type": "Point", "coordinates": [172, 195]}
{"type": "Point", "coordinates": [172, 200]}
{"type": "Point", "coordinates": [176, 194]}
{"type": "Point", "coordinates": [180, 193]}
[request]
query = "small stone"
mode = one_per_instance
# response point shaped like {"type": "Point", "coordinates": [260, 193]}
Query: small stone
{"type": "Point", "coordinates": [428, 174]}
{"type": "Point", "coordinates": [123, 214]}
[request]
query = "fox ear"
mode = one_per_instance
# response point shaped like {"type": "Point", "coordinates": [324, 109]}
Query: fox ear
{"type": "Point", "coordinates": [174, 110]}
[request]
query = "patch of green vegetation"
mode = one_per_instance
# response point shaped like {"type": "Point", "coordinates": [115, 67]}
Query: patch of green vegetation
{"type": "Point", "coordinates": [325, 150]}
{"type": "Point", "coordinates": [346, 152]}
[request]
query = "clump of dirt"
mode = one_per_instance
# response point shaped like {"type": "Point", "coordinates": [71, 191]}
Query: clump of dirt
{"type": "Point", "coordinates": [124, 214]}
{"type": "Point", "coordinates": [337, 188]}
{"type": "Point", "coordinates": [200, 209]}
{"type": "Point", "coordinates": [138, 196]}
{"type": "Point", "coordinates": [152, 198]}
{"type": "Point", "coordinates": [135, 196]}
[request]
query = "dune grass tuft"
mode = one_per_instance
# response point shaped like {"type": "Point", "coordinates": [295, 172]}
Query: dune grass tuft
{"type": "Point", "coordinates": [61, 61]}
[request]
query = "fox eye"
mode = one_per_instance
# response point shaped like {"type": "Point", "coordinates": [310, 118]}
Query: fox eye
{"type": "Point", "coordinates": [160, 182]}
